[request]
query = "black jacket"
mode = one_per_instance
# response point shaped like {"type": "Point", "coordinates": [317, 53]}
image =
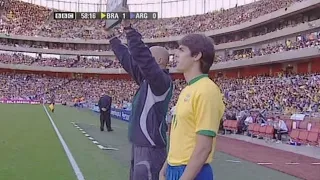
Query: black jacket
{"type": "Point", "coordinates": [105, 102]}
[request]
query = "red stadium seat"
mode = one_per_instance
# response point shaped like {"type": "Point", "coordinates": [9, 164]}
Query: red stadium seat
{"type": "Point", "coordinates": [294, 134]}
{"type": "Point", "coordinates": [250, 128]}
{"type": "Point", "coordinates": [315, 129]}
{"type": "Point", "coordinates": [313, 138]}
{"type": "Point", "coordinates": [262, 131]}
{"type": "Point", "coordinates": [269, 132]}
{"type": "Point", "coordinates": [256, 129]}
{"type": "Point", "coordinates": [231, 125]}
{"type": "Point", "coordinates": [228, 124]}
{"type": "Point", "coordinates": [225, 123]}
{"type": "Point", "coordinates": [303, 135]}
{"type": "Point", "coordinates": [313, 123]}
{"type": "Point", "coordinates": [303, 124]}
{"type": "Point", "coordinates": [234, 126]}
{"type": "Point", "coordinates": [317, 124]}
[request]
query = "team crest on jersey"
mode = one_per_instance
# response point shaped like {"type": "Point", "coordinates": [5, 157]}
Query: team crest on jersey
{"type": "Point", "coordinates": [187, 98]}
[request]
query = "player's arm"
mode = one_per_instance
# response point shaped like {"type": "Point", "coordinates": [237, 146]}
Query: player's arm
{"type": "Point", "coordinates": [123, 55]}
{"type": "Point", "coordinates": [159, 81]}
{"type": "Point", "coordinates": [103, 104]}
{"type": "Point", "coordinates": [208, 112]}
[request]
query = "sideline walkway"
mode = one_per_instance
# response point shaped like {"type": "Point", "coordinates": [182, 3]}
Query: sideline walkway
{"type": "Point", "coordinates": [310, 151]}
{"type": "Point", "coordinates": [297, 165]}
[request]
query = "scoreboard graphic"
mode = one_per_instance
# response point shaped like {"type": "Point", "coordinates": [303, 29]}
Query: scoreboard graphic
{"type": "Point", "coordinates": [105, 15]}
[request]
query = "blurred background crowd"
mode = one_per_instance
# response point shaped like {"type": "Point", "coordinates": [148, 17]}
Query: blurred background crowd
{"type": "Point", "coordinates": [286, 94]}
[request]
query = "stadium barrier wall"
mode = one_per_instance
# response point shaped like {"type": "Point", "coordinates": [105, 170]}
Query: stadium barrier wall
{"type": "Point", "coordinates": [120, 114]}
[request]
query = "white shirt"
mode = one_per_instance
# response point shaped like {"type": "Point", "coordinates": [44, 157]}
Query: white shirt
{"type": "Point", "coordinates": [281, 125]}
{"type": "Point", "coordinates": [249, 120]}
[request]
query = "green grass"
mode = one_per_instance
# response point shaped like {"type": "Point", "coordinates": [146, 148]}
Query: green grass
{"type": "Point", "coordinates": [30, 149]}
{"type": "Point", "coordinates": [93, 162]}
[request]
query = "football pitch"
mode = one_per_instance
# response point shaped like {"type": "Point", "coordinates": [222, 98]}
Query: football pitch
{"type": "Point", "coordinates": [31, 150]}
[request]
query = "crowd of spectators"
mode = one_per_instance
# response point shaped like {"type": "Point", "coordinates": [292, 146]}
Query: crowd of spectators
{"type": "Point", "coordinates": [304, 41]}
{"type": "Point", "coordinates": [16, 58]}
{"type": "Point", "coordinates": [27, 86]}
{"type": "Point", "coordinates": [169, 26]}
{"type": "Point", "coordinates": [75, 62]}
{"type": "Point", "coordinates": [18, 17]}
{"type": "Point", "coordinates": [286, 94]}
{"type": "Point", "coordinates": [300, 43]}
{"type": "Point", "coordinates": [28, 19]}
{"type": "Point", "coordinates": [46, 26]}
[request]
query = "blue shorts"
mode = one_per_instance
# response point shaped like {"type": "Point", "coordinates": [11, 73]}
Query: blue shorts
{"type": "Point", "coordinates": [175, 172]}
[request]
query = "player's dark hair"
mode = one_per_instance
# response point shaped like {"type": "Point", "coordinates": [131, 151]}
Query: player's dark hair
{"type": "Point", "coordinates": [200, 43]}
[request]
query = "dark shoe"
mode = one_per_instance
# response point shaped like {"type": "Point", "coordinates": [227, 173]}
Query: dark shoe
{"type": "Point", "coordinates": [101, 129]}
{"type": "Point", "coordinates": [109, 130]}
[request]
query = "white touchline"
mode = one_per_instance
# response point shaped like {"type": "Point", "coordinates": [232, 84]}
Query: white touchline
{"type": "Point", "coordinates": [72, 161]}
{"type": "Point", "coordinates": [100, 146]}
{"type": "Point", "coordinates": [292, 163]}
{"type": "Point", "coordinates": [264, 163]}
{"type": "Point", "coordinates": [234, 161]}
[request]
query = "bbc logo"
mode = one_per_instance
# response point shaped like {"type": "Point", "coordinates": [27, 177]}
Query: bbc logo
{"type": "Point", "coordinates": [70, 15]}
{"type": "Point", "coordinates": [64, 15]}
{"type": "Point", "coordinates": [57, 16]}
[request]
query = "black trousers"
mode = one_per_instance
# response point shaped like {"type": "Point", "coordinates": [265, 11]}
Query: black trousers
{"type": "Point", "coordinates": [105, 119]}
{"type": "Point", "coordinates": [277, 134]}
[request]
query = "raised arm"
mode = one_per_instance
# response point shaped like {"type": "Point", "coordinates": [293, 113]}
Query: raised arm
{"type": "Point", "coordinates": [159, 81]}
{"type": "Point", "coordinates": [123, 55]}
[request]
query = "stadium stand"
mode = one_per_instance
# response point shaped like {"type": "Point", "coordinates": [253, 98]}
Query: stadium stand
{"type": "Point", "coordinates": [285, 89]}
{"type": "Point", "coordinates": [23, 13]}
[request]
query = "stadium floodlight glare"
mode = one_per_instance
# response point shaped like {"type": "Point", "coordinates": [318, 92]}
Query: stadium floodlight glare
{"type": "Point", "coordinates": [116, 6]}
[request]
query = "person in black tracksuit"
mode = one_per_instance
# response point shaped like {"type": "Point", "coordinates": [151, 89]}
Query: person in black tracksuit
{"type": "Point", "coordinates": [105, 112]}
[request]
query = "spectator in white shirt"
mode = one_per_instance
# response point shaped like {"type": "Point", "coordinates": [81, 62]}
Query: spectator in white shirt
{"type": "Point", "coordinates": [280, 128]}
{"type": "Point", "coordinates": [247, 121]}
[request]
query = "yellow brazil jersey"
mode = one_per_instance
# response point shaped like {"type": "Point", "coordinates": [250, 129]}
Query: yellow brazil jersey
{"type": "Point", "coordinates": [199, 110]}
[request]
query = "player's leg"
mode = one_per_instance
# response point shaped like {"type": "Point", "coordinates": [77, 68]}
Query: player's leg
{"type": "Point", "coordinates": [101, 121]}
{"type": "Point", "coordinates": [148, 162]}
{"type": "Point", "coordinates": [132, 163]}
{"type": "Point", "coordinates": [108, 121]}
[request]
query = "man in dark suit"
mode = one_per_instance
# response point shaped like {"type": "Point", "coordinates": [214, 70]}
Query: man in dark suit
{"type": "Point", "coordinates": [105, 112]}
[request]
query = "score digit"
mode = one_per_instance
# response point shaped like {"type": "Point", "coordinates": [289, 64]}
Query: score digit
{"type": "Point", "coordinates": [154, 15]}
